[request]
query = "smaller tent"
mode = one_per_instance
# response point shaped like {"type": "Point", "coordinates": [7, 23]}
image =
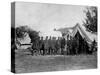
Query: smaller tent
{"type": "Point", "coordinates": [23, 43]}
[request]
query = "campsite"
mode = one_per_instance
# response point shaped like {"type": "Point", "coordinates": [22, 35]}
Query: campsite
{"type": "Point", "coordinates": [53, 37]}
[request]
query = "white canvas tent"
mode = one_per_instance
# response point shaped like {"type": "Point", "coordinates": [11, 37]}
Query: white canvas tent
{"type": "Point", "coordinates": [71, 32]}
{"type": "Point", "coordinates": [23, 43]}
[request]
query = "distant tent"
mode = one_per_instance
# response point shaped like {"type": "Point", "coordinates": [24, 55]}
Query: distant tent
{"type": "Point", "coordinates": [23, 43]}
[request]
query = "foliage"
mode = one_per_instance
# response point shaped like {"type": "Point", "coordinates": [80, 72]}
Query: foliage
{"type": "Point", "coordinates": [34, 35]}
{"type": "Point", "coordinates": [91, 19]}
{"type": "Point", "coordinates": [20, 31]}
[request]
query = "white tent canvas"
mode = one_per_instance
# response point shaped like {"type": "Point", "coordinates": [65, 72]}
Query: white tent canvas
{"type": "Point", "coordinates": [71, 31]}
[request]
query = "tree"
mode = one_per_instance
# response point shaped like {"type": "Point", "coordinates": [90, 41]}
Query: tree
{"type": "Point", "coordinates": [34, 36]}
{"type": "Point", "coordinates": [91, 19]}
{"type": "Point", "coordinates": [20, 31]}
{"type": "Point", "coordinates": [35, 40]}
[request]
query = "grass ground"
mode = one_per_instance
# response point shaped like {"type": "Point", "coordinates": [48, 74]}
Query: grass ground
{"type": "Point", "coordinates": [26, 63]}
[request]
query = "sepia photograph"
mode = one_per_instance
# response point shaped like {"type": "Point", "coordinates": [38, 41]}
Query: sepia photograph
{"type": "Point", "coordinates": [53, 37]}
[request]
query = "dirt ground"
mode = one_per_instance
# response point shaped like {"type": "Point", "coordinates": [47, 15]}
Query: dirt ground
{"type": "Point", "coordinates": [25, 63]}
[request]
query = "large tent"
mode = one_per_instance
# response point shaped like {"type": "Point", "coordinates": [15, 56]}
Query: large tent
{"type": "Point", "coordinates": [71, 32]}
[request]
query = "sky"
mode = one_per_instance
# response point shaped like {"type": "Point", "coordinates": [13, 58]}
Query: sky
{"type": "Point", "coordinates": [45, 17]}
